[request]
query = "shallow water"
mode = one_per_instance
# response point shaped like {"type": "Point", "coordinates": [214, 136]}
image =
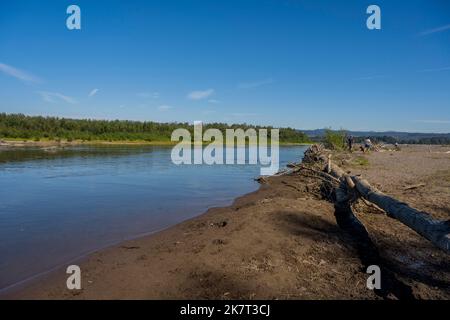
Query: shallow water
{"type": "Point", "coordinates": [57, 205]}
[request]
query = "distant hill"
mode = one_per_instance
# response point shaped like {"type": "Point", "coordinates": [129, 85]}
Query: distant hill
{"type": "Point", "coordinates": [390, 136]}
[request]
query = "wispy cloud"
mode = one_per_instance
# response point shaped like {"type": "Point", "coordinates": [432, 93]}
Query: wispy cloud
{"type": "Point", "coordinates": [153, 95]}
{"type": "Point", "coordinates": [55, 97]}
{"type": "Point", "coordinates": [214, 101]}
{"type": "Point", "coordinates": [200, 94]}
{"type": "Point", "coordinates": [435, 30]}
{"type": "Point", "coordinates": [436, 69]}
{"type": "Point", "coordinates": [255, 84]}
{"type": "Point", "coordinates": [164, 107]}
{"type": "Point", "coordinates": [93, 92]}
{"type": "Point", "coordinates": [433, 121]}
{"type": "Point", "coordinates": [18, 74]}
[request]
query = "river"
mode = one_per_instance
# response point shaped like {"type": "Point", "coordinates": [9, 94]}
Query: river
{"type": "Point", "coordinates": [60, 204]}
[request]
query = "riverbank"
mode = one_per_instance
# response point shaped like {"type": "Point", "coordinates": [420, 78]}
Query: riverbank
{"type": "Point", "coordinates": [280, 242]}
{"type": "Point", "coordinates": [23, 143]}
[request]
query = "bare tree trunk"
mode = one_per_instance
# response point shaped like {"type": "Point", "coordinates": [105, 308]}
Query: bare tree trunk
{"type": "Point", "coordinates": [438, 232]}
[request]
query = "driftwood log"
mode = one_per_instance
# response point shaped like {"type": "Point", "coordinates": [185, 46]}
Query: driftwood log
{"type": "Point", "coordinates": [436, 231]}
{"type": "Point", "coordinates": [346, 187]}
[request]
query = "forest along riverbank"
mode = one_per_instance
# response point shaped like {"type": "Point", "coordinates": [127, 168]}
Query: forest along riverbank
{"type": "Point", "coordinates": [283, 242]}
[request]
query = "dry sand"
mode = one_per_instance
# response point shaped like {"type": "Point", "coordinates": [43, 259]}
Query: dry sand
{"type": "Point", "coordinates": [280, 242]}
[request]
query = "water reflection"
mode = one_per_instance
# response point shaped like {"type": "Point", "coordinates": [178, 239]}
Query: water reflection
{"type": "Point", "coordinates": [58, 204]}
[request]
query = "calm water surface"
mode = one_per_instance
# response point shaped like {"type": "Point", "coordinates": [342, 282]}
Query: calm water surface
{"type": "Point", "coordinates": [57, 205]}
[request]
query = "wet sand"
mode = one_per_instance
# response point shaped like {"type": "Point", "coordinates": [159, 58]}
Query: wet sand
{"type": "Point", "coordinates": [280, 242]}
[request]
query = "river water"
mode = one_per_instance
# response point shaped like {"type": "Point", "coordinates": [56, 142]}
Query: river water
{"type": "Point", "coordinates": [59, 204]}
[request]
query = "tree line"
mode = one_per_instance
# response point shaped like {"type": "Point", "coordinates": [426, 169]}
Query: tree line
{"type": "Point", "coordinates": [20, 126]}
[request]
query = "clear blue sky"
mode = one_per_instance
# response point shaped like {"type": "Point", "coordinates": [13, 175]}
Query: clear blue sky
{"type": "Point", "coordinates": [306, 64]}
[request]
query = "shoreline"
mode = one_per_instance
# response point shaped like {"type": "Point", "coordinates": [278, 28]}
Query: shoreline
{"type": "Point", "coordinates": [23, 143]}
{"type": "Point", "coordinates": [278, 242]}
{"type": "Point", "coordinates": [50, 275]}
{"type": "Point", "coordinates": [41, 276]}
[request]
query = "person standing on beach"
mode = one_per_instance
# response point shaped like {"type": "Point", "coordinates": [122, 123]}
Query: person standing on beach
{"type": "Point", "coordinates": [350, 142]}
{"type": "Point", "coordinates": [367, 144]}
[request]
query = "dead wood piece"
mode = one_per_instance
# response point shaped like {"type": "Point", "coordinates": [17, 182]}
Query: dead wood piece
{"type": "Point", "coordinates": [349, 182]}
{"type": "Point", "coordinates": [414, 186]}
{"type": "Point", "coordinates": [437, 231]}
{"type": "Point", "coordinates": [261, 180]}
{"type": "Point", "coordinates": [320, 173]}
{"type": "Point", "coordinates": [329, 164]}
{"type": "Point", "coordinates": [372, 205]}
{"type": "Point", "coordinates": [292, 165]}
{"type": "Point", "coordinates": [331, 182]}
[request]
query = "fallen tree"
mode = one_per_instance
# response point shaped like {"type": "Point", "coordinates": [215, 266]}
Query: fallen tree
{"type": "Point", "coordinates": [436, 231]}
{"type": "Point", "coordinates": [341, 189]}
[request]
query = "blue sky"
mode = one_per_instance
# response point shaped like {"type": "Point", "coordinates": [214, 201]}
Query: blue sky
{"type": "Point", "coordinates": [304, 64]}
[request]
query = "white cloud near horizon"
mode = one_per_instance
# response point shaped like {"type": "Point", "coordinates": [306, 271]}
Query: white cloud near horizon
{"type": "Point", "coordinates": [435, 30]}
{"type": "Point", "coordinates": [200, 94]}
{"type": "Point", "coordinates": [93, 92]}
{"type": "Point", "coordinates": [255, 84]}
{"type": "Point", "coordinates": [18, 74]}
{"type": "Point", "coordinates": [55, 96]}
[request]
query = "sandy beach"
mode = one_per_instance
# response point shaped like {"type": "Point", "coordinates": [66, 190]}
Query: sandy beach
{"type": "Point", "coordinates": [280, 242]}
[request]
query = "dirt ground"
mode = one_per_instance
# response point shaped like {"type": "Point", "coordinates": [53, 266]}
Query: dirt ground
{"type": "Point", "coordinates": [281, 242]}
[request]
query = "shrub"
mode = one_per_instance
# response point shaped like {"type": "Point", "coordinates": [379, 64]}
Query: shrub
{"type": "Point", "coordinates": [334, 140]}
